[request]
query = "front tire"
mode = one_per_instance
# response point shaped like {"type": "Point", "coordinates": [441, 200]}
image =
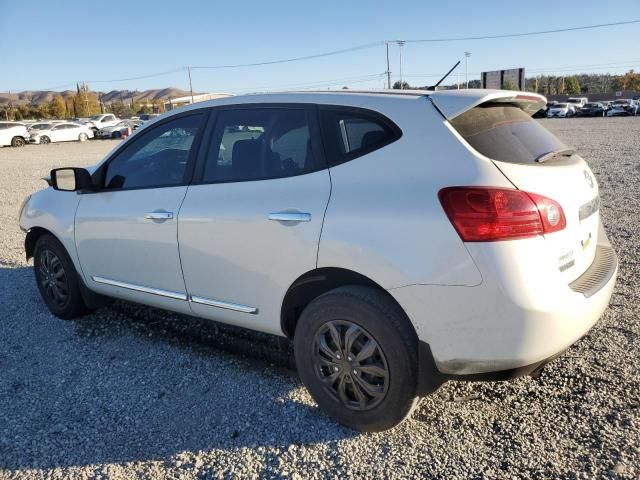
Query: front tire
{"type": "Point", "coordinates": [57, 279]}
{"type": "Point", "coordinates": [356, 353]}
{"type": "Point", "coordinates": [45, 140]}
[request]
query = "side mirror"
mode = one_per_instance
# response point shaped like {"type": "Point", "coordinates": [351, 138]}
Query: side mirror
{"type": "Point", "coordinates": [71, 179]}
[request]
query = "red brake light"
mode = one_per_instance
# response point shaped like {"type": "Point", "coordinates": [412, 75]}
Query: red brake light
{"type": "Point", "coordinates": [485, 214]}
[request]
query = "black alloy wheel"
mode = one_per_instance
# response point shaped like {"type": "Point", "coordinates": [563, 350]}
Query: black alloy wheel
{"type": "Point", "coordinates": [53, 278]}
{"type": "Point", "coordinates": [351, 364]}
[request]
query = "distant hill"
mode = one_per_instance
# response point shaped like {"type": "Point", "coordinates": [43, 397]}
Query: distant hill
{"type": "Point", "coordinates": [42, 96]}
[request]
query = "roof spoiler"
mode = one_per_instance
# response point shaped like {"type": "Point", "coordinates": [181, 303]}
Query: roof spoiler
{"type": "Point", "coordinates": [452, 103]}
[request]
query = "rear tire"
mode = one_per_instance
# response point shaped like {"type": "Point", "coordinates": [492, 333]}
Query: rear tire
{"type": "Point", "coordinates": [57, 279]}
{"type": "Point", "coordinates": [17, 142]}
{"type": "Point", "coordinates": [83, 137]}
{"type": "Point", "coordinates": [357, 354]}
{"type": "Point", "coordinates": [116, 135]}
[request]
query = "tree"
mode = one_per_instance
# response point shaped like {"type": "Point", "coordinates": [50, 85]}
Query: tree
{"type": "Point", "coordinates": [402, 86]}
{"type": "Point", "coordinates": [509, 85]}
{"type": "Point", "coordinates": [85, 103]}
{"type": "Point", "coordinates": [628, 81]}
{"type": "Point", "coordinates": [43, 110]}
{"type": "Point", "coordinates": [57, 107]}
{"type": "Point", "coordinates": [571, 85]}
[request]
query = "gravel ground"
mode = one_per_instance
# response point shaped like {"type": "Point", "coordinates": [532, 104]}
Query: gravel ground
{"type": "Point", "coordinates": [130, 391]}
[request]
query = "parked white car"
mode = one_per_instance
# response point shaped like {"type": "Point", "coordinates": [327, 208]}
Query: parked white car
{"type": "Point", "coordinates": [61, 132]}
{"type": "Point", "coordinates": [561, 110]}
{"type": "Point", "coordinates": [13, 134]}
{"type": "Point", "coordinates": [401, 239]}
{"type": "Point", "coordinates": [97, 122]}
{"type": "Point", "coordinates": [578, 102]}
{"type": "Point", "coordinates": [40, 126]}
{"type": "Point", "coordinates": [118, 130]}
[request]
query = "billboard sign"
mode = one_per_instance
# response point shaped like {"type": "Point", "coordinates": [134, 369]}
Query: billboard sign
{"type": "Point", "coordinates": [498, 78]}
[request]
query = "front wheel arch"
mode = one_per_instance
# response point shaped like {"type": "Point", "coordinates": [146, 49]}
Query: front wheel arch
{"type": "Point", "coordinates": [32, 238]}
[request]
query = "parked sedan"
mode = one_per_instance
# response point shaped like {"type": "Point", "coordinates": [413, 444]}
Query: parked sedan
{"type": "Point", "coordinates": [62, 132]}
{"type": "Point", "coordinates": [561, 110]}
{"type": "Point", "coordinates": [592, 110]}
{"type": "Point", "coordinates": [40, 126]}
{"type": "Point", "coordinates": [118, 130]}
{"type": "Point", "coordinates": [621, 107]}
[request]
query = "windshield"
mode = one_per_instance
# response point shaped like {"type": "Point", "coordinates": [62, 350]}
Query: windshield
{"type": "Point", "coordinates": [560, 105]}
{"type": "Point", "coordinates": [506, 133]}
{"type": "Point", "coordinates": [96, 117]}
{"type": "Point", "coordinates": [41, 126]}
{"type": "Point", "coordinates": [621, 102]}
{"type": "Point", "coordinates": [592, 105]}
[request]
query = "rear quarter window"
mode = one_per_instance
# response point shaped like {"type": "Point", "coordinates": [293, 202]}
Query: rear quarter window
{"type": "Point", "coordinates": [504, 132]}
{"type": "Point", "coordinates": [350, 133]}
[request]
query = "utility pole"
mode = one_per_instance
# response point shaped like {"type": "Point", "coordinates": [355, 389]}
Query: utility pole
{"type": "Point", "coordinates": [388, 68]}
{"type": "Point", "coordinates": [466, 68]}
{"type": "Point", "coordinates": [401, 44]}
{"type": "Point", "coordinates": [190, 85]}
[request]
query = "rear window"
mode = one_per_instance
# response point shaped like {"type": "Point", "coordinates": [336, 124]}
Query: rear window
{"type": "Point", "coordinates": [506, 133]}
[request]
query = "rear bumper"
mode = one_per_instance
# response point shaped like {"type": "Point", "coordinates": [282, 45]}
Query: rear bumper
{"type": "Point", "coordinates": [508, 327]}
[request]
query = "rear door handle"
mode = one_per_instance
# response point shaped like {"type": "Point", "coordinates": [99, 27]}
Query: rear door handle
{"type": "Point", "coordinates": [290, 216]}
{"type": "Point", "coordinates": [159, 215]}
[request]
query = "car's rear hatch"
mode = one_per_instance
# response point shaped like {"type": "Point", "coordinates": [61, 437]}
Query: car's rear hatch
{"type": "Point", "coordinates": [497, 125]}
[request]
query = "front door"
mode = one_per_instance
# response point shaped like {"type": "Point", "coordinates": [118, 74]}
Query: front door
{"type": "Point", "coordinates": [250, 224]}
{"type": "Point", "coordinates": [126, 233]}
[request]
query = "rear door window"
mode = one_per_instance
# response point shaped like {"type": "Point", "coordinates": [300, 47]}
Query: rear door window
{"type": "Point", "coordinates": [351, 133]}
{"type": "Point", "coordinates": [259, 144]}
{"type": "Point", "coordinates": [504, 132]}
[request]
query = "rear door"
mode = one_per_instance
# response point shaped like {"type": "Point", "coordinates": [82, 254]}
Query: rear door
{"type": "Point", "coordinates": [523, 150]}
{"type": "Point", "coordinates": [250, 224]}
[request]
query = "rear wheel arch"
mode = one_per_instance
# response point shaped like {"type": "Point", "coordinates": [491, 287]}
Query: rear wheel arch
{"type": "Point", "coordinates": [314, 283]}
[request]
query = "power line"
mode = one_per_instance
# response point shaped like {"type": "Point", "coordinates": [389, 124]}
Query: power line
{"type": "Point", "coordinates": [141, 77]}
{"type": "Point", "coordinates": [522, 34]}
{"type": "Point", "coordinates": [294, 59]}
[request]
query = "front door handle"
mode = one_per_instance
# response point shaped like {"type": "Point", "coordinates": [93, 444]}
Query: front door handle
{"type": "Point", "coordinates": [159, 215]}
{"type": "Point", "coordinates": [290, 216]}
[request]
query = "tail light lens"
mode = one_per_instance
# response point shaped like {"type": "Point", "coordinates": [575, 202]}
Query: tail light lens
{"type": "Point", "coordinates": [485, 214]}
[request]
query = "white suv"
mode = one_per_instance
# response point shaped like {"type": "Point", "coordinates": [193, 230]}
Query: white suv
{"type": "Point", "coordinates": [401, 239]}
{"type": "Point", "coordinates": [13, 134]}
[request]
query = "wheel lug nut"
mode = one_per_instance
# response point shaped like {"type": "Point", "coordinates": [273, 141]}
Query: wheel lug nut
{"type": "Point", "coordinates": [338, 356]}
{"type": "Point", "coordinates": [335, 369]}
{"type": "Point", "coordinates": [350, 358]}
{"type": "Point", "coordinates": [355, 372]}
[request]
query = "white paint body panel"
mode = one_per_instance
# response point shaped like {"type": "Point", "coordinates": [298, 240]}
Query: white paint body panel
{"type": "Point", "coordinates": [115, 241]}
{"type": "Point", "coordinates": [384, 219]}
{"type": "Point", "coordinates": [232, 252]}
{"type": "Point", "coordinates": [522, 313]}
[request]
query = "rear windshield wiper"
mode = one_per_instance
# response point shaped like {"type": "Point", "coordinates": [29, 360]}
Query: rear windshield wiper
{"type": "Point", "coordinates": [564, 152]}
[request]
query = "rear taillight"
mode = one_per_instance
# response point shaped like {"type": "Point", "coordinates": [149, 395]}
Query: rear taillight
{"type": "Point", "coordinates": [485, 214]}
